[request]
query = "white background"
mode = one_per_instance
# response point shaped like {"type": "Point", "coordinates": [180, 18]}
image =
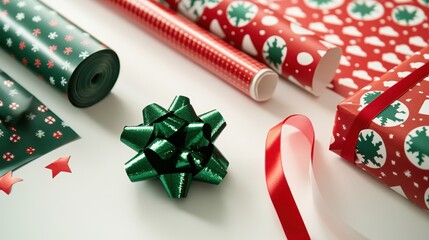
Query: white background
{"type": "Point", "coordinates": [97, 201]}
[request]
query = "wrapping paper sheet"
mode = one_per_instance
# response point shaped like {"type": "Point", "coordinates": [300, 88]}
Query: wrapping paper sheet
{"type": "Point", "coordinates": [294, 52]}
{"type": "Point", "coordinates": [56, 50]}
{"type": "Point", "coordinates": [375, 35]}
{"type": "Point", "coordinates": [394, 147]}
{"type": "Point", "coordinates": [244, 73]}
{"type": "Point", "coordinates": [28, 128]}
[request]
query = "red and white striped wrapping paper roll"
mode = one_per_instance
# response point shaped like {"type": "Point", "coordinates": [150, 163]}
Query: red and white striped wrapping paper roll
{"type": "Point", "coordinates": [294, 52]}
{"type": "Point", "coordinates": [241, 71]}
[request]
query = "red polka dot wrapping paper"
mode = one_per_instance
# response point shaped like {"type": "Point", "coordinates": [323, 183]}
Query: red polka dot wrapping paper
{"type": "Point", "coordinates": [375, 35]}
{"type": "Point", "coordinates": [296, 53]}
{"type": "Point", "coordinates": [394, 148]}
{"type": "Point", "coordinates": [234, 67]}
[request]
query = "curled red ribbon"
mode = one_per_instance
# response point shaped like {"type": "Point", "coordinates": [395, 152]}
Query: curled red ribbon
{"type": "Point", "coordinates": [278, 187]}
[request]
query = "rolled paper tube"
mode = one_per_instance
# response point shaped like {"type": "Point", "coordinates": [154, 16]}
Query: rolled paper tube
{"type": "Point", "coordinates": [294, 52]}
{"type": "Point", "coordinates": [244, 73]}
{"type": "Point", "coordinates": [58, 51]}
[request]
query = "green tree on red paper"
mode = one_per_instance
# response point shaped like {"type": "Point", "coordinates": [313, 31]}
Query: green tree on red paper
{"type": "Point", "coordinates": [202, 2]}
{"type": "Point", "coordinates": [419, 144]}
{"type": "Point", "coordinates": [240, 11]}
{"type": "Point", "coordinates": [363, 9]}
{"type": "Point", "coordinates": [404, 15]}
{"type": "Point", "coordinates": [389, 113]}
{"type": "Point", "coordinates": [321, 2]}
{"type": "Point", "coordinates": [274, 53]}
{"type": "Point", "coordinates": [368, 150]}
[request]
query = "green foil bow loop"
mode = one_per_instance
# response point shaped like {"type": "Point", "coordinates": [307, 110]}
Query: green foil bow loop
{"type": "Point", "coordinates": [176, 146]}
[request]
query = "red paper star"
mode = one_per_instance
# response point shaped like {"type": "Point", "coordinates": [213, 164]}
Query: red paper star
{"type": "Point", "coordinates": [60, 165]}
{"type": "Point", "coordinates": [6, 182]}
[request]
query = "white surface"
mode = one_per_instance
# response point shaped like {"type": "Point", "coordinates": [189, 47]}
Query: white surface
{"type": "Point", "coordinates": [97, 201]}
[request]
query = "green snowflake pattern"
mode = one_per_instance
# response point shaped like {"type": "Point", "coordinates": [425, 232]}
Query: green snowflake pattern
{"type": "Point", "coordinates": [389, 113]}
{"type": "Point", "coordinates": [239, 12]}
{"type": "Point", "coordinates": [425, 2]}
{"type": "Point", "coordinates": [363, 9]}
{"type": "Point", "coordinates": [274, 53]}
{"type": "Point", "coordinates": [368, 150]}
{"type": "Point", "coordinates": [404, 15]}
{"type": "Point", "coordinates": [419, 144]}
{"type": "Point", "coordinates": [321, 2]}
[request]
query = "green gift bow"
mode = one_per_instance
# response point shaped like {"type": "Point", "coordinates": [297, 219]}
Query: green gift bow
{"type": "Point", "coordinates": [176, 146]}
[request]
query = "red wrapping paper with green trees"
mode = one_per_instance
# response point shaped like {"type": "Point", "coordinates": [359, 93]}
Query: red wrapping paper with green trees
{"type": "Point", "coordinates": [296, 53]}
{"type": "Point", "coordinates": [375, 35]}
{"type": "Point", "coordinates": [394, 148]}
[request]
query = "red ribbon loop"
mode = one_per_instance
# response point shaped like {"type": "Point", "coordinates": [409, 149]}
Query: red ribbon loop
{"type": "Point", "coordinates": [278, 187]}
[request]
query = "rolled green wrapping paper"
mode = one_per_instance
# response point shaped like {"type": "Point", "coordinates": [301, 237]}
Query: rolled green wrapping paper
{"type": "Point", "coordinates": [58, 51]}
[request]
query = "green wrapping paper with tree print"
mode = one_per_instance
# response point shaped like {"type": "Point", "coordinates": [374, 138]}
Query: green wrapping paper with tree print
{"type": "Point", "coordinates": [28, 128]}
{"type": "Point", "coordinates": [58, 51]}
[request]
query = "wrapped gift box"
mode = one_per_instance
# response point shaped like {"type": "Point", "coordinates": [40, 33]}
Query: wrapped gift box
{"type": "Point", "coordinates": [394, 146]}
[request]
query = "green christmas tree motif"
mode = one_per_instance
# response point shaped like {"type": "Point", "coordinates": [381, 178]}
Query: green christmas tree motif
{"type": "Point", "coordinates": [363, 9]}
{"type": "Point", "coordinates": [389, 113]}
{"type": "Point", "coordinates": [419, 144]}
{"type": "Point", "coordinates": [368, 150]}
{"type": "Point", "coordinates": [202, 2]}
{"type": "Point", "coordinates": [321, 2]}
{"type": "Point", "coordinates": [274, 53]}
{"type": "Point", "coordinates": [404, 15]}
{"type": "Point", "coordinates": [239, 12]}
{"type": "Point", "coordinates": [425, 2]}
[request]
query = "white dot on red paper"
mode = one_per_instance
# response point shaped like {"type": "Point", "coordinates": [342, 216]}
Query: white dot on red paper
{"type": "Point", "coordinates": [269, 20]}
{"type": "Point", "coordinates": [377, 51]}
{"type": "Point", "coordinates": [392, 42]}
{"type": "Point", "coordinates": [374, 29]}
{"type": "Point", "coordinates": [425, 25]}
{"type": "Point", "coordinates": [388, 4]}
{"type": "Point", "coordinates": [224, 26]}
{"type": "Point", "coordinates": [291, 39]}
{"type": "Point", "coordinates": [296, 70]}
{"type": "Point", "coordinates": [360, 24]}
{"type": "Point", "coordinates": [353, 41]}
{"type": "Point", "coordinates": [338, 11]}
{"type": "Point", "coordinates": [232, 33]}
{"type": "Point", "coordinates": [356, 64]}
{"type": "Point", "coordinates": [219, 12]}
{"type": "Point", "coordinates": [405, 32]}
{"type": "Point", "coordinates": [254, 23]}
{"type": "Point", "coordinates": [204, 18]}
{"type": "Point", "coordinates": [304, 58]}
{"type": "Point", "coordinates": [315, 15]}
{"type": "Point", "coordinates": [348, 20]}
{"type": "Point", "coordinates": [280, 31]}
{"type": "Point", "coordinates": [303, 39]}
{"type": "Point", "coordinates": [382, 21]}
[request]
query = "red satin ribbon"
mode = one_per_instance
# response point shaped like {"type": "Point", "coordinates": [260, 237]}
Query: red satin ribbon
{"type": "Point", "coordinates": [278, 188]}
{"type": "Point", "coordinates": [368, 113]}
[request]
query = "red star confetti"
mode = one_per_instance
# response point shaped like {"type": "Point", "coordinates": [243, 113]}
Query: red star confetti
{"type": "Point", "coordinates": [6, 182]}
{"type": "Point", "coordinates": [60, 165]}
